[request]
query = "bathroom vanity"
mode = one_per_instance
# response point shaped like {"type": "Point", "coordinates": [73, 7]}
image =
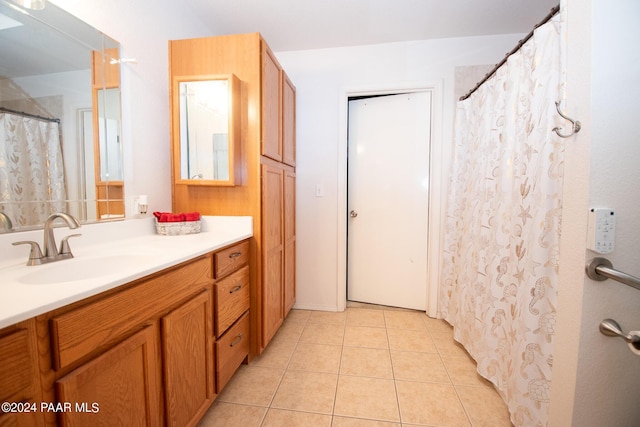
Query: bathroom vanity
{"type": "Point", "coordinates": [152, 345]}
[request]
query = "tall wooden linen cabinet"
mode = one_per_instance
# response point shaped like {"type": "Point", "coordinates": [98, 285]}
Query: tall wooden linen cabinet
{"type": "Point", "coordinates": [266, 179]}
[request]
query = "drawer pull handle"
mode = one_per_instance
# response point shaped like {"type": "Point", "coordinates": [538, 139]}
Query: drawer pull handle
{"type": "Point", "coordinates": [235, 255]}
{"type": "Point", "coordinates": [236, 341]}
{"type": "Point", "coordinates": [235, 289]}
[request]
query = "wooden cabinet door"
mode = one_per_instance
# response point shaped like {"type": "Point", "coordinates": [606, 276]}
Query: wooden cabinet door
{"type": "Point", "coordinates": [289, 240]}
{"type": "Point", "coordinates": [188, 361]}
{"type": "Point", "coordinates": [288, 121]}
{"type": "Point", "coordinates": [19, 376]}
{"type": "Point", "coordinates": [272, 250]}
{"type": "Point", "coordinates": [120, 387]}
{"type": "Point", "coordinates": [271, 105]}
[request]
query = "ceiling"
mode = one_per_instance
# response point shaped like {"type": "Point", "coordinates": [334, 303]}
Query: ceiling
{"type": "Point", "coordinates": [286, 24]}
{"type": "Point", "coordinates": [300, 25]}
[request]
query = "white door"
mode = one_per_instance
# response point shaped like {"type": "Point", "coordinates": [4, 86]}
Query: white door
{"type": "Point", "coordinates": [388, 194]}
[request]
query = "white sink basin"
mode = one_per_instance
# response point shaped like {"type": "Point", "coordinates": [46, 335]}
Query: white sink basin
{"type": "Point", "coordinates": [75, 269]}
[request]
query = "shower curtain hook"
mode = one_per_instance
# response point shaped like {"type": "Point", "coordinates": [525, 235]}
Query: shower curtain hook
{"type": "Point", "coordinates": [574, 123]}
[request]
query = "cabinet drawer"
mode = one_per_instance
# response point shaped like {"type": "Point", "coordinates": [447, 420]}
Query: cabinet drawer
{"type": "Point", "coordinates": [15, 369]}
{"type": "Point", "coordinates": [231, 349]}
{"type": "Point", "coordinates": [232, 299]}
{"type": "Point", "coordinates": [80, 332]}
{"type": "Point", "coordinates": [231, 259]}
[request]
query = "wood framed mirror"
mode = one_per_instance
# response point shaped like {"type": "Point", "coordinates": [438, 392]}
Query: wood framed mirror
{"type": "Point", "coordinates": [205, 133]}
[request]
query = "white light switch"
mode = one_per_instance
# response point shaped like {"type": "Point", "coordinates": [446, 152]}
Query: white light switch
{"type": "Point", "coordinates": [319, 190]}
{"type": "Point", "coordinates": [602, 230]}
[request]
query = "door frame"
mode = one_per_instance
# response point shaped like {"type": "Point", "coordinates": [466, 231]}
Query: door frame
{"type": "Point", "coordinates": [438, 166]}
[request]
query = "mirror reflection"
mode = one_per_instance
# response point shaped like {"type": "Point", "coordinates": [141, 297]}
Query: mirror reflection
{"type": "Point", "coordinates": [109, 135]}
{"type": "Point", "coordinates": [60, 147]}
{"type": "Point", "coordinates": [204, 141]}
{"type": "Point", "coordinates": [208, 129]}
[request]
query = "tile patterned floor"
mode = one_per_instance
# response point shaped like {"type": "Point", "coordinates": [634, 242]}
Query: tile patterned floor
{"type": "Point", "coordinates": [364, 367]}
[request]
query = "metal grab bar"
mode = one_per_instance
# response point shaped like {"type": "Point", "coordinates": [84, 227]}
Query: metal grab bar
{"type": "Point", "coordinates": [601, 269]}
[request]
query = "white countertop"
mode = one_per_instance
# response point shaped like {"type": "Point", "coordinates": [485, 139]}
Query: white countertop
{"type": "Point", "coordinates": [107, 255]}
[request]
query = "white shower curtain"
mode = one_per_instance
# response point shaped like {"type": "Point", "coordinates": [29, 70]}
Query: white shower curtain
{"type": "Point", "coordinates": [32, 184]}
{"type": "Point", "coordinates": [500, 268]}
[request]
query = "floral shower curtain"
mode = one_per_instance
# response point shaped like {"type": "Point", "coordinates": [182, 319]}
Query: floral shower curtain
{"type": "Point", "coordinates": [32, 184]}
{"type": "Point", "coordinates": [500, 268]}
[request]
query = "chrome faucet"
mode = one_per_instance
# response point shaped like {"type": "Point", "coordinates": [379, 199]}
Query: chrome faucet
{"type": "Point", "coordinates": [51, 253]}
{"type": "Point", "coordinates": [4, 220]}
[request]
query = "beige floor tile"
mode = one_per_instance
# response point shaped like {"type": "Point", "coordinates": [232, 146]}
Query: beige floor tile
{"type": "Point", "coordinates": [321, 333]}
{"type": "Point", "coordinates": [372, 398]}
{"type": "Point", "coordinates": [359, 422]}
{"type": "Point", "coordinates": [316, 358]}
{"type": "Point", "coordinates": [289, 331]}
{"type": "Point", "coordinates": [390, 369]}
{"type": "Point", "coordinates": [251, 385]}
{"type": "Point", "coordinates": [438, 326]}
{"type": "Point", "coordinates": [366, 362]}
{"type": "Point", "coordinates": [445, 344]}
{"type": "Point", "coordinates": [298, 316]}
{"type": "Point", "coordinates": [306, 391]}
{"type": "Point", "coordinates": [415, 366]}
{"type": "Point", "coordinates": [405, 320]}
{"type": "Point", "coordinates": [276, 355]}
{"type": "Point", "coordinates": [484, 406]}
{"type": "Point", "coordinates": [365, 317]}
{"type": "Point", "coordinates": [364, 336]}
{"type": "Point", "coordinates": [410, 340]}
{"type": "Point", "coordinates": [462, 370]}
{"type": "Point", "coordinates": [328, 317]}
{"type": "Point", "coordinates": [431, 404]}
{"type": "Point", "coordinates": [284, 418]}
{"type": "Point", "coordinates": [229, 414]}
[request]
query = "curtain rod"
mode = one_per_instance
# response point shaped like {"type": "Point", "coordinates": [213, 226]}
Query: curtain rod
{"type": "Point", "coordinates": [514, 50]}
{"type": "Point", "coordinates": [33, 116]}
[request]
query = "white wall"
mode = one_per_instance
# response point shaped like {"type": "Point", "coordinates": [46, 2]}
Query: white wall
{"type": "Point", "coordinates": [323, 78]}
{"type": "Point", "coordinates": [596, 377]}
{"type": "Point", "coordinates": [608, 367]}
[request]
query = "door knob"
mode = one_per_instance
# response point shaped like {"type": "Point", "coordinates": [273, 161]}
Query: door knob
{"type": "Point", "coordinates": [353, 214]}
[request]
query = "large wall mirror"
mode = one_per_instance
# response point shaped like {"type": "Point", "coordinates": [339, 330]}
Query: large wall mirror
{"type": "Point", "coordinates": [60, 144]}
{"type": "Point", "coordinates": [206, 128]}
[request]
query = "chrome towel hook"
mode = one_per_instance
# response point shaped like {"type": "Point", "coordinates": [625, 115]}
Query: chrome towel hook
{"type": "Point", "coordinates": [575, 124]}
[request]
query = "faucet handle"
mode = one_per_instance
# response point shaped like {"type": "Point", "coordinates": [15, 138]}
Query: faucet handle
{"type": "Point", "coordinates": [35, 255]}
{"type": "Point", "coordinates": [65, 249]}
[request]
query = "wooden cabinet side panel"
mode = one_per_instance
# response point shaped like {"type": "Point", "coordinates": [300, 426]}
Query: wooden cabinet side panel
{"type": "Point", "coordinates": [188, 361]}
{"type": "Point", "coordinates": [289, 241]}
{"type": "Point", "coordinates": [120, 387]}
{"type": "Point", "coordinates": [271, 102]}
{"type": "Point", "coordinates": [288, 121]}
